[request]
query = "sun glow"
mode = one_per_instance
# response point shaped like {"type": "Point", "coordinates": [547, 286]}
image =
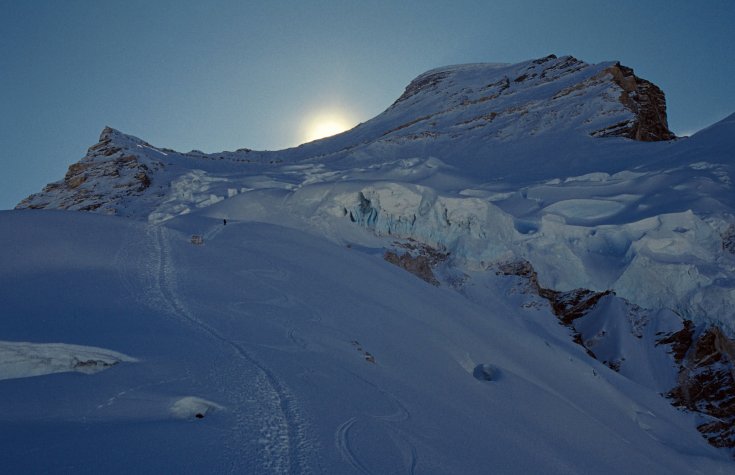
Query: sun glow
{"type": "Point", "coordinates": [325, 125]}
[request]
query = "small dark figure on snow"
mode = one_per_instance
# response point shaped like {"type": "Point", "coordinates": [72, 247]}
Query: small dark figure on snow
{"type": "Point", "coordinates": [225, 221]}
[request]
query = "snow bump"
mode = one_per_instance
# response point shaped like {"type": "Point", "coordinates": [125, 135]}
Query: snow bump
{"type": "Point", "coordinates": [25, 359]}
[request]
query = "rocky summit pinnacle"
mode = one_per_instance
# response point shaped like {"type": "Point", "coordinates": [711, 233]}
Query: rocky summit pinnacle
{"type": "Point", "coordinates": [646, 101]}
{"type": "Point", "coordinates": [534, 88]}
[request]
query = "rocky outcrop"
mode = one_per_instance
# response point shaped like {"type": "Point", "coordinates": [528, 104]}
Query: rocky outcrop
{"type": "Point", "coordinates": [705, 358]}
{"type": "Point", "coordinates": [416, 265]}
{"type": "Point", "coordinates": [425, 82]}
{"type": "Point", "coordinates": [418, 259]}
{"type": "Point", "coordinates": [107, 175]}
{"type": "Point", "coordinates": [646, 101]}
{"type": "Point", "coordinates": [679, 341]}
{"type": "Point", "coordinates": [728, 239]}
{"type": "Point", "coordinates": [567, 306]}
{"type": "Point", "coordinates": [706, 381]}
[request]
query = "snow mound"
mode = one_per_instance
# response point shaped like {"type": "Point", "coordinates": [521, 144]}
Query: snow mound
{"type": "Point", "coordinates": [24, 359]}
{"type": "Point", "coordinates": [586, 208]}
{"type": "Point", "coordinates": [191, 407]}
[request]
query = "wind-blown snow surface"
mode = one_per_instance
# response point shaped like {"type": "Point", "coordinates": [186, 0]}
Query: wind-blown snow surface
{"type": "Point", "coordinates": [267, 333]}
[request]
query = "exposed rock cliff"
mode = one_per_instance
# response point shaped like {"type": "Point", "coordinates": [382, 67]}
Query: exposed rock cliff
{"type": "Point", "coordinates": [706, 381]}
{"type": "Point", "coordinates": [567, 306]}
{"type": "Point", "coordinates": [646, 101]}
{"type": "Point", "coordinates": [110, 173]}
{"type": "Point", "coordinates": [417, 258]}
{"type": "Point", "coordinates": [703, 361]}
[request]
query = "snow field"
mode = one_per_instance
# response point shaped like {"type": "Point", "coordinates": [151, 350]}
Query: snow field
{"type": "Point", "coordinates": [274, 326]}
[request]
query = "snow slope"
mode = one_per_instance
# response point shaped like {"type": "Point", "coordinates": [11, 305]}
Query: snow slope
{"type": "Point", "coordinates": [301, 356]}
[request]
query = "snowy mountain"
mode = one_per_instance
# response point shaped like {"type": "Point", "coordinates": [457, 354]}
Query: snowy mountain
{"type": "Point", "coordinates": [573, 310]}
{"type": "Point", "coordinates": [443, 113]}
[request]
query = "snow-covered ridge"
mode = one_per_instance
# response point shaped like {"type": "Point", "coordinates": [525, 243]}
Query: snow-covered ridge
{"type": "Point", "coordinates": [488, 161]}
{"type": "Point", "coordinates": [448, 110]}
{"type": "Point", "coordinates": [540, 93]}
{"type": "Point", "coordinates": [593, 230]}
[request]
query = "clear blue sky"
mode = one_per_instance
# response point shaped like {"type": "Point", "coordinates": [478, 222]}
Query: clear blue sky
{"type": "Point", "coordinates": [221, 75]}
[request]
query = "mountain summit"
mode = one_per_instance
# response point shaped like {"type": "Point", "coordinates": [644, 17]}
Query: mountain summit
{"type": "Point", "coordinates": [542, 94]}
{"type": "Point", "coordinates": [478, 106]}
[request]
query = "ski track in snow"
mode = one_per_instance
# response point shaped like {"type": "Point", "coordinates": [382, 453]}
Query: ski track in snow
{"type": "Point", "coordinates": [342, 442]}
{"type": "Point", "coordinates": [342, 434]}
{"type": "Point", "coordinates": [212, 233]}
{"type": "Point", "coordinates": [402, 414]}
{"type": "Point", "coordinates": [281, 438]}
{"type": "Point", "coordinates": [346, 450]}
{"type": "Point", "coordinates": [296, 339]}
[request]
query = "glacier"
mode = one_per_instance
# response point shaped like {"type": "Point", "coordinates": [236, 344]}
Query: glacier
{"type": "Point", "coordinates": [581, 257]}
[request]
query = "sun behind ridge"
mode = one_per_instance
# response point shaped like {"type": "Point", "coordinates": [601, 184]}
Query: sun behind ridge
{"type": "Point", "coordinates": [325, 125]}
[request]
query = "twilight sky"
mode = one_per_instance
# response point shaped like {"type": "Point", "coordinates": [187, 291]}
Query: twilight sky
{"type": "Point", "coordinates": [225, 74]}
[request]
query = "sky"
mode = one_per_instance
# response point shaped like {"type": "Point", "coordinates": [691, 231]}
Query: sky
{"type": "Point", "coordinates": [227, 74]}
